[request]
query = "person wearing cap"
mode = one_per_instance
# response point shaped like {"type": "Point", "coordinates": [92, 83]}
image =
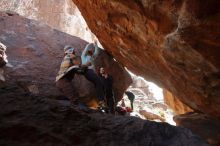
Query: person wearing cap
{"type": "Point", "coordinates": [88, 57]}
{"type": "Point", "coordinates": [64, 77]}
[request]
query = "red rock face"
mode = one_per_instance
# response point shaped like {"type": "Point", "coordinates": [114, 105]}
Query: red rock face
{"type": "Point", "coordinates": [174, 103]}
{"type": "Point", "coordinates": [35, 51]}
{"type": "Point", "coordinates": [173, 43]}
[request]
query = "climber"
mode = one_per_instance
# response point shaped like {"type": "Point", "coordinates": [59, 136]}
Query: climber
{"type": "Point", "coordinates": [65, 76]}
{"type": "Point", "coordinates": [108, 88]}
{"type": "Point", "coordinates": [131, 97]}
{"type": "Point", "coordinates": [3, 61]}
{"type": "Point", "coordinates": [122, 109]}
{"type": "Point", "coordinates": [88, 55]}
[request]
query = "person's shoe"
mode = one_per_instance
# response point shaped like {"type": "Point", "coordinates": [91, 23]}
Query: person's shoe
{"type": "Point", "coordinates": [102, 104]}
{"type": "Point", "coordinates": [102, 107]}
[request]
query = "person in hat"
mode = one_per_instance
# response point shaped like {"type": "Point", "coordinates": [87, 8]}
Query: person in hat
{"type": "Point", "coordinates": [64, 77]}
{"type": "Point", "coordinates": [88, 56]}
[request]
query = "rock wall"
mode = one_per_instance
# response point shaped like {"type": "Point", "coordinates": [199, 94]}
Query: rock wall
{"type": "Point", "coordinates": [62, 15]}
{"type": "Point", "coordinates": [205, 126]}
{"type": "Point", "coordinates": [174, 103]}
{"type": "Point", "coordinates": [174, 43]}
{"type": "Point", "coordinates": [35, 52]}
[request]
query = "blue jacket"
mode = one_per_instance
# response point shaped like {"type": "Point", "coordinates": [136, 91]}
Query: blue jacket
{"type": "Point", "coordinates": [87, 58]}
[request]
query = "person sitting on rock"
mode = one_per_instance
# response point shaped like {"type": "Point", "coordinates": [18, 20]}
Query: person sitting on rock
{"type": "Point", "coordinates": [88, 56]}
{"type": "Point", "coordinates": [108, 83]}
{"type": "Point", "coordinates": [65, 76]}
{"type": "Point", "coordinates": [131, 97]}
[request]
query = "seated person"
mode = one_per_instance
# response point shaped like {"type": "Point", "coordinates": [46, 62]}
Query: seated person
{"type": "Point", "coordinates": [64, 77]}
{"type": "Point", "coordinates": [88, 56]}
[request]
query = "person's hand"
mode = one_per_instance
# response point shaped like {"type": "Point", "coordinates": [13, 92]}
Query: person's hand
{"type": "Point", "coordinates": [106, 75]}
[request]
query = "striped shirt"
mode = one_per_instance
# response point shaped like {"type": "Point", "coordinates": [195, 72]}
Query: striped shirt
{"type": "Point", "coordinates": [65, 64]}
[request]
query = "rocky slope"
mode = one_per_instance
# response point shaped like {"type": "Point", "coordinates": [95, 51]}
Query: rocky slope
{"type": "Point", "coordinates": [35, 52]}
{"type": "Point", "coordinates": [61, 15]}
{"type": "Point", "coordinates": [174, 43]}
{"type": "Point", "coordinates": [33, 120]}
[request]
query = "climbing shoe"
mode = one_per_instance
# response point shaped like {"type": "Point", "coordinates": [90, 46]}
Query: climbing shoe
{"type": "Point", "coordinates": [102, 107]}
{"type": "Point", "coordinates": [102, 104]}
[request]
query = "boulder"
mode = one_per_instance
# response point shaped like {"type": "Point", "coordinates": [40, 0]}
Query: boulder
{"type": "Point", "coordinates": [32, 120]}
{"type": "Point", "coordinates": [203, 125]}
{"type": "Point", "coordinates": [151, 116]}
{"type": "Point", "coordinates": [174, 43]}
{"type": "Point", "coordinates": [35, 51]}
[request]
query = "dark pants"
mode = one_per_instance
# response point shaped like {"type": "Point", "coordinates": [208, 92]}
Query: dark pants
{"type": "Point", "coordinates": [131, 97]}
{"type": "Point", "coordinates": [132, 102]}
{"type": "Point", "coordinates": [99, 87]}
{"type": "Point", "coordinates": [110, 102]}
